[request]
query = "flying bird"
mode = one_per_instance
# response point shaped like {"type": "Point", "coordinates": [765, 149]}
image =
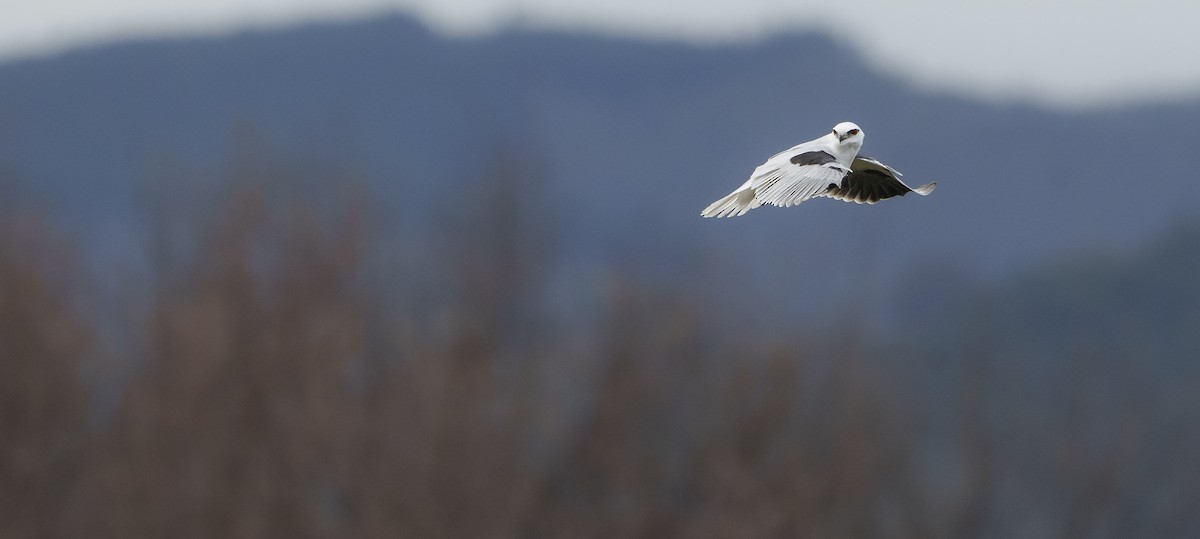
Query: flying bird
{"type": "Point", "coordinates": [825, 167]}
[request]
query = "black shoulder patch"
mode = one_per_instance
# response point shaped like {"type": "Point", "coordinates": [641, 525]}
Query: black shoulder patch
{"type": "Point", "coordinates": [812, 158]}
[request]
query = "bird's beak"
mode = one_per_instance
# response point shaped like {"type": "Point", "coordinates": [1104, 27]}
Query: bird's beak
{"type": "Point", "coordinates": [842, 137]}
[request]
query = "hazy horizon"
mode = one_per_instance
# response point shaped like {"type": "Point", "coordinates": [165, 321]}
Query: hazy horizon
{"type": "Point", "coordinates": [1058, 59]}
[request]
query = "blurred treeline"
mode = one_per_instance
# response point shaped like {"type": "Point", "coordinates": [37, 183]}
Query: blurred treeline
{"type": "Point", "coordinates": [271, 369]}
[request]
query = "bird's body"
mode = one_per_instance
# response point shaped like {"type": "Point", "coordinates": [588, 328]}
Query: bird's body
{"type": "Point", "coordinates": [828, 166]}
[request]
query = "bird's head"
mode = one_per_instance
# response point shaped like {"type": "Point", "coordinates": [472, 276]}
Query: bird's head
{"type": "Point", "coordinates": [848, 133]}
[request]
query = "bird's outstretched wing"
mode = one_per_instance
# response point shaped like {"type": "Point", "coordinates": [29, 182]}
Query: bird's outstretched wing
{"type": "Point", "coordinates": [793, 179]}
{"type": "Point", "coordinates": [870, 181]}
{"type": "Point", "coordinates": [786, 179]}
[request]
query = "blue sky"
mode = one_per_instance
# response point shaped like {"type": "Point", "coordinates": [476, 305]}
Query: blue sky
{"type": "Point", "coordinates": [1069, 53]}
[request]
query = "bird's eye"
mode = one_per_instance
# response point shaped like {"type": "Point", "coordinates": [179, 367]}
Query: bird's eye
{"type": "Point", "coordinates": [853, 131]}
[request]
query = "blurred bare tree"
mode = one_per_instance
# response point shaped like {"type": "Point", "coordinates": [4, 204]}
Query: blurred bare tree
{"type": "Point", "coordinates": [43, 344]}
{"type": "Point", "coordinates": [273, 392]}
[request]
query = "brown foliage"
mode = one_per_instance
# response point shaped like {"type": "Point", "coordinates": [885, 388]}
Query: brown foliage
{"type": "Point", "coordinates": [274, 392]}
{"type": "Point", "coordinates": [42, 398]}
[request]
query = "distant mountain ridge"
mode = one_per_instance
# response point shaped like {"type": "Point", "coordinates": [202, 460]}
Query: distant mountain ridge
{"type": "Point", "coordinates": [634, 137]}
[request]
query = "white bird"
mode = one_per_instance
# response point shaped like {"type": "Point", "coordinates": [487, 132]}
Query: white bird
{"type": "Point", "coordinates": [825, 167]}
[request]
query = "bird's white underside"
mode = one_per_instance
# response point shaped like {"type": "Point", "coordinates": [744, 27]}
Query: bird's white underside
{"type": "Point", "coordinates": [780, 182]}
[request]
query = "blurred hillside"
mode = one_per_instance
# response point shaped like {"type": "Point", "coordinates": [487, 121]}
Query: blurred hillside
{"type": "Point", "coordinates": [361, 280]}
{"type": "Point", "coordinates": [633, 138]}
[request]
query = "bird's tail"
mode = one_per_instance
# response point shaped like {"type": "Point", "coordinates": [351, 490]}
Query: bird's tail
{"type": "Point", "coordinates": [736, 203]}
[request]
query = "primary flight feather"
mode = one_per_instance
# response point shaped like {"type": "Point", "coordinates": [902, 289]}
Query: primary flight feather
{"type": "Point", "coordinates": [825, 167]}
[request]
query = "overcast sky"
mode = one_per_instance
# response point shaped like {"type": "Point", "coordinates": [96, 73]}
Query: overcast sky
{"type": "Point", "coordinates": [1072, 53]}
